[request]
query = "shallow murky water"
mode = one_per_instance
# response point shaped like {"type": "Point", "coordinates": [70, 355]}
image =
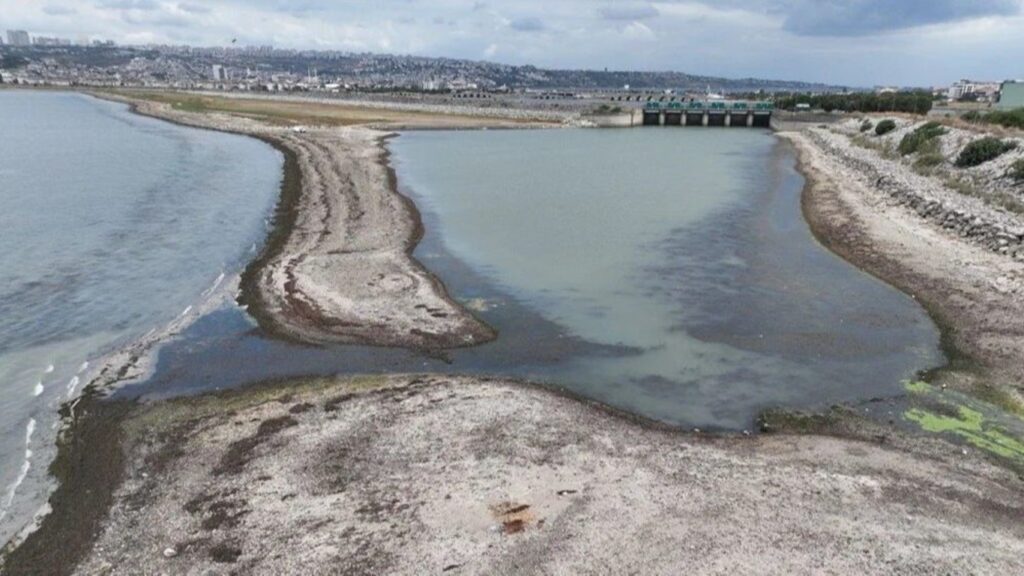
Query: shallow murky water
{"type": "Point", "coordinates": [110, 226]}
{"type": "Point", "coordinates": [665, 271]}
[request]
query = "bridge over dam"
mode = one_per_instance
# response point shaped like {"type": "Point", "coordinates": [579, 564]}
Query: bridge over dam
{"type": "Point", "coordinates": [735, 113]}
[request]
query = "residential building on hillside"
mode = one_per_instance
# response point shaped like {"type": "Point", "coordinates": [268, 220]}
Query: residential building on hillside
{"type": "Point", "coordinates": [987, 91]}
{"type": "Point", "coordinates": [18, 38]}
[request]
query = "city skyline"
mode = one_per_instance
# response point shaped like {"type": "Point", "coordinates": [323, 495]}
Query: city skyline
{"type": "Point", "coordinates": [858, 42]}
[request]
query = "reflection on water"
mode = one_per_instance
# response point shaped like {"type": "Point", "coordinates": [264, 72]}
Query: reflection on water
{"type": "Point", "coordinates": [668, 272]}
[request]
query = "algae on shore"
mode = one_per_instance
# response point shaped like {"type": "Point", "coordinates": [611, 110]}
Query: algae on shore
{"type": "Point", "coordinates": [979, 423]}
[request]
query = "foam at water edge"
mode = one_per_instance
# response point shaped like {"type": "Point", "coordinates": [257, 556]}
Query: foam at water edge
{"type": "Point", "coordinates": [209, 291]}
{"type": "Point", "coordinates": [25, 466]}
{"type": "Point", "coordinates": [72, 385]}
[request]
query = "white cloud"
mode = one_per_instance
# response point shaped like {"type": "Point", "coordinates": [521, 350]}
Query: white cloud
{"type": "Point", "coordinates": [638, 31]}
{"type": "Point", "coordinates": [721, 37]}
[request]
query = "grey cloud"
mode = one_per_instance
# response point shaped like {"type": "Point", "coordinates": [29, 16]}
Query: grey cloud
{"type": "Point", "coordinates": [530, 24]}
{"type": "Point", "coordinates": [864, 17]}
{"type": "Point", "coordinates": [628, 12]}
{"type": "Point", "coordinates": [194, 8]}
{"type": "Point", "coordinates": [53, 10]}
{"type": "Point", "coordinates": [129, 5]}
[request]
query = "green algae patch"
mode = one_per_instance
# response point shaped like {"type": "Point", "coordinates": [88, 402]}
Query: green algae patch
{"type": "Point", "coordinates": [917, 387]}
{"type": "Point", "coordinates": [971, 426]}
{"type": "Point", "coordinates": [986, 424]}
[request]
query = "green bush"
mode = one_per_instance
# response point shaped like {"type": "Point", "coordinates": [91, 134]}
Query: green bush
{"type": "Point", "coordinates": [866, 125]}
{"type": "Point", "coordinates": [885, 126]}
{"type": "Point", "coordinates": [972, 116]}
{"type": "Point", "coordinates": [929, 154]}
{"type": "Point", "coordinates": [1006, 118]}
{"type": "Point", "coordinates": [1016, 171]}
{"type": "Point", "coordinates": [983, 150]}
{"type": "Point", "coordinates": [925, 133]}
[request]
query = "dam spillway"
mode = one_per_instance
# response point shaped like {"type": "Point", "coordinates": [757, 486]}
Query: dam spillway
{"type": "Point", "coordinates": [736, 114]}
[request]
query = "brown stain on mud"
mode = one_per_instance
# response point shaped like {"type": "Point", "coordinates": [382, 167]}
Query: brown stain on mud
{"type": "Point", "coordinates": [514, 517]}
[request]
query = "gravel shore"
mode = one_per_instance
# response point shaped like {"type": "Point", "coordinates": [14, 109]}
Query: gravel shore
{"type": "Point", "coordinates": [892, 222]}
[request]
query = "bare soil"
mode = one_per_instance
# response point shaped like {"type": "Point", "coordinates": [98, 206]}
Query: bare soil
{"type": "Point", "coordinates": [424, 474]}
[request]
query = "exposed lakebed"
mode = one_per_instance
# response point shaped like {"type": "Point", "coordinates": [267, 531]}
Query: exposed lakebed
{"type": "Point", "coordinates": [664, 271]}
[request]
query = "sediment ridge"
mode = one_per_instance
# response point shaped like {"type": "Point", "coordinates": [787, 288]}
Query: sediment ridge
{"type": "Point", "coordinates": [338, 266]}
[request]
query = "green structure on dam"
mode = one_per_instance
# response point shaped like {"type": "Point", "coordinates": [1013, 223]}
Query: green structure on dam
{"type": "Point", "coordinates": [738, 113]}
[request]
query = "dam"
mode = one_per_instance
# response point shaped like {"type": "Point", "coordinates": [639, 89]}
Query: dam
{"type": "Point", "coordinates": [727, 113]}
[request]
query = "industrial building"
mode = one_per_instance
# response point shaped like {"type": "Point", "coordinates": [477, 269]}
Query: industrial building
{"type": "Point", "coordinates": [1011, 94]}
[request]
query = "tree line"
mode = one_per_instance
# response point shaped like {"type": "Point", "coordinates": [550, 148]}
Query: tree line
{"type": "Point", "coordinates": [914, 102]}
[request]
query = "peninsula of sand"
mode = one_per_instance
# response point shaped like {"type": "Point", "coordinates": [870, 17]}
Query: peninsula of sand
{"type": "Point", "coordinates": [337, 267]}
{"type": "Point", "coordinates": [414, 474]}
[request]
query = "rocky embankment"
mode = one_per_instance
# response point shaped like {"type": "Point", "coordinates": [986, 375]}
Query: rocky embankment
{"type": "Point", "coordinates": [931, 196]}
{"type": "Point", "coordinates": [958, 254]}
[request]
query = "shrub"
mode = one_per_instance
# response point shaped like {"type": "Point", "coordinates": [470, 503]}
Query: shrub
{"type": "Point", "coordinates": [1016, 171]}
{"type": "Point", "coordinates": [929, 154]}
{"type": "Point", "coordinates": [983, 150]}
{"type": "Point", "coordinates": [927, 132]}
{"type": "Point", "coordinates": [866, 125]}
{"type": "Point", "coordinates": [884, 127]}
{"type": "Point", "coordinates": [972, 116]}
{"type": "Point", "coordinates": [1006, 118]}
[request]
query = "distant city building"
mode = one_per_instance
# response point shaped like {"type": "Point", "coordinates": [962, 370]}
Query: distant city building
{"type": "Point", "coordinates": [46, 41]}
{"type": "Point", "coordinates": [1011, 94]}
{"type": "Point", "coordinates": [18, 38]}
{"type": "Point", "coordinates": [972, 89]}
{"type": "Point", "coordinates": [219, 73]}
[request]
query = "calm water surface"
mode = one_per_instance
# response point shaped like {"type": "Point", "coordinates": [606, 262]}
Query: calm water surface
{"type": "Point", "coordinates": [110, 226]}
{"type": "Point", "coordinates": [665, 271]}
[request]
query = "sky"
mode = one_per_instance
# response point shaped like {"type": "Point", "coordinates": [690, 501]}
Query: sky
{"type": "Point", "coordinates": [848, 42]}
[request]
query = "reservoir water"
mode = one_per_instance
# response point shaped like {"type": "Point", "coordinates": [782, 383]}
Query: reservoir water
{"type": "Point", "coordinates": [664, 271]}
{"type": "Point", "coordinates": [111, 225]}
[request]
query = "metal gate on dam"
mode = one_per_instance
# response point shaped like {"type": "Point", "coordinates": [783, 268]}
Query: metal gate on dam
{"type": "Point", "coordinates": [735, 113]}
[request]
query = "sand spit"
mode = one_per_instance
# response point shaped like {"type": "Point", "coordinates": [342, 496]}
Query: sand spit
{"type": "Point", "coordinates": [419, 475]}
{"type": "Point", "coordinates": [339, 268]}
{"type": "Point", "coordinates": [972, 286]}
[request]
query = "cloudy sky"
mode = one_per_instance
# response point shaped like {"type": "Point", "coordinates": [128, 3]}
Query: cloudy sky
{"type": "Point", "coordinates": [855, 42]}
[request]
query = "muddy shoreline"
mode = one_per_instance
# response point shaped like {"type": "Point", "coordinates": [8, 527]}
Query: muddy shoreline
{"type": "Point", "coordinates": [959, 283]}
